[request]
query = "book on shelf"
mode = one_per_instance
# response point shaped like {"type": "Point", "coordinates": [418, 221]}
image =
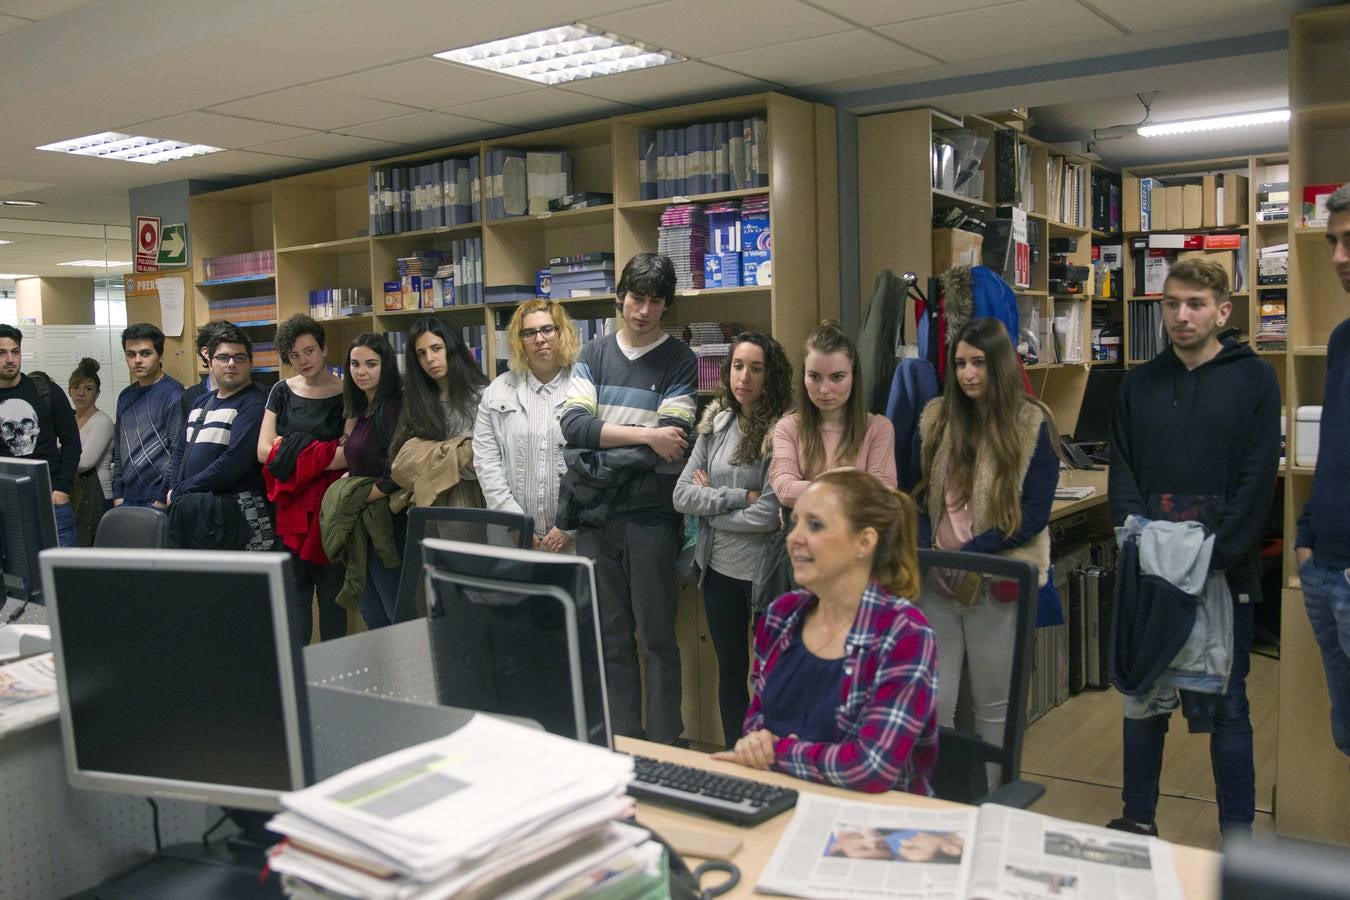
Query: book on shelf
{"type": "Point", "coordinates": [602, 256]}
{"type": "Point", "coordinates": [414, 197]}
{"type": "Point", "coordinates": [252, 264]}
{"type": "Point", "coordinates": [703, 158]}
{"type": "Point", "coordinates": [582, 200]}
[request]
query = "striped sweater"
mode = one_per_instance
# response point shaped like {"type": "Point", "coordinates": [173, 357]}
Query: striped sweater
{"type": "Point", "coordinates": [218, 453]}
{"type": "Point", "coordinates": [146, 435]}
{"type": "Point", "coordinates": [654, 390]}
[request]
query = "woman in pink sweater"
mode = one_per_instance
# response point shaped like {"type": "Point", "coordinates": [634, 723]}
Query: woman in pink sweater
{"type": "Point", "coordinates": [831, 428]}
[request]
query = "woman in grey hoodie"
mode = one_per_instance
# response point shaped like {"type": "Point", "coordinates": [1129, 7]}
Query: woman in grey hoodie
{"type": "Point", "coordinates": [725, 484]}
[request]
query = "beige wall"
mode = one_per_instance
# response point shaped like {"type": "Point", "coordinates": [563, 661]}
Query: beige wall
{"type": "Point", "coordinates": [56, 301]}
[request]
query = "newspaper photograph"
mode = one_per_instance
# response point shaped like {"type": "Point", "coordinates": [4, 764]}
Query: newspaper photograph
{"type": "Point", "coordinates": [846, 849]}
{"type": "Point", "coordinates": [27, 693]}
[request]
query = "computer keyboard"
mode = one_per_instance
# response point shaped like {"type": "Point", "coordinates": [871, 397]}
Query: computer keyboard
{"type": "Point", "coordinates": [740, 801]}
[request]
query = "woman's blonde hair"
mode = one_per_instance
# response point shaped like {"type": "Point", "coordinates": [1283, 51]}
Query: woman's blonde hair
{"type": "Point", "coordinates": [568, 340]}
{"type": "Point", "coordinates": [867, 503]}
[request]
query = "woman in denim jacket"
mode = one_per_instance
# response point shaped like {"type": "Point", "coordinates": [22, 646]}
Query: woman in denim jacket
{"type": "Point", "coordinates": [517, 444]}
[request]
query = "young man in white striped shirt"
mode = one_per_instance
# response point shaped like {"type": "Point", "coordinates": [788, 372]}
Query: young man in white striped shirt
{"type": "Point", "coordinates": [634, 392]}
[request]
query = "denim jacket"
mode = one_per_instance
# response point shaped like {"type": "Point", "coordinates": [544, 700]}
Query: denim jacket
{"type": "Point", "coordinates": [501, 439]}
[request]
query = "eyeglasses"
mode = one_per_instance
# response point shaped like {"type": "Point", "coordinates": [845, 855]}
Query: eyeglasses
{"type": "Point", "coordinates": [296, 355]}
{"type": "Point", "coordinates": [529, 334]}
{"type": "Point", "coordinates": [226, 358]}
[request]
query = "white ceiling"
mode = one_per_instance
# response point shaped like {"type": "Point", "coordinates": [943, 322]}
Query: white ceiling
{"type": "Point", "coordinates": [291, 85]}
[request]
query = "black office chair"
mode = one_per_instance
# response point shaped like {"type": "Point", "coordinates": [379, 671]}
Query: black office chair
{"type": "Point", "coordinates": [133, 527]}
{"type": "Point", "coordinates": [454, 523]}
{"type": "Point", "coordinates": [962, 773]}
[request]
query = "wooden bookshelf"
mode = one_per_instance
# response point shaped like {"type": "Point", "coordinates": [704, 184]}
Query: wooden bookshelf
{"type": "Point", "coordinates": [1312, 789]}
{"type": "Point", "coordinates": [319, 224]}
{"type": "Point", "coordinates": [896, 204]}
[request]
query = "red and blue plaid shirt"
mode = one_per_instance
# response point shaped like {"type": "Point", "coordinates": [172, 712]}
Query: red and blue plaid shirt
{"type": "Point", "coordinates": [885, 727]}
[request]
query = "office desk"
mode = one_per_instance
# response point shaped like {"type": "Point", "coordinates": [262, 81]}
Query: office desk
{"type": "Point", "coordinates": [1080, 478]}
{"type": "Point", "coordinates": [1198, 869]}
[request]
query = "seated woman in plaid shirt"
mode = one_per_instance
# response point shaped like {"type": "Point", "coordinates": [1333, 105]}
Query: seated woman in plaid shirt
{"type": "Point", "coordinates": [845, 673]}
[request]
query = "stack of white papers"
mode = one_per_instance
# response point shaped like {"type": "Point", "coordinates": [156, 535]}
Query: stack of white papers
{"type": "Point", "coordinates": [27, 692]}
{"type": "Point", "coordinates": [495, 809]}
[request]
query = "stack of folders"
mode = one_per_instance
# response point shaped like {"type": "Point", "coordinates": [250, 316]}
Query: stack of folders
{"type": "Point", "coordinates": [473, 814]}
{"type": "Point", "coordinates": [703, 158]}
{"type": "Point", "coordinates": [682, 235]}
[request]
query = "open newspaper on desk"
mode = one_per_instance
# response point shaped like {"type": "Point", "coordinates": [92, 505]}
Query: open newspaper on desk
{"type": "Point", "coordinates": [851, 850]}
{"type": "Point", "coordinates": [27, 693]}
{"type": "Point", "coordinates": [493, 810]}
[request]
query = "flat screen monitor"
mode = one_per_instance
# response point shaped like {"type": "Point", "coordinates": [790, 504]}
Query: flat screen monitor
{"type": "Point", "coordinates": [1265, 867]}
{"type": "Point", "coordinates": [1099, 398]}
{"type": "Point", "coordinates": [517, 632]}
{"type": "Point", "coordinates": [177, 673]}
{"type": "Point", "coordinates": [27, 526]}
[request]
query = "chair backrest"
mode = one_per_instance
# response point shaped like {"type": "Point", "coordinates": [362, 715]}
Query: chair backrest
{"type": "Point", "coordinates": [455, 523]}
{"type": "Point", "coordinates": [132, 527]}
{"type": "Point", "coordinates": [962, 755]}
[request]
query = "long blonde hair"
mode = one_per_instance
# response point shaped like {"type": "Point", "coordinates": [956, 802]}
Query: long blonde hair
{"type": "Point", "coordinates": [829, 337]}
{"type": "Point", "coordinates": [966, 425]}
{"type": "Point", "coordinates": [568, 342]}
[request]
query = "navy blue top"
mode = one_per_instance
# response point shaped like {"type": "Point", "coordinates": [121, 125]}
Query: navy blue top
{"type": "Point", "coordinates": [1324, 525]}
{"type": "Point", "coordinates": [801, 694]}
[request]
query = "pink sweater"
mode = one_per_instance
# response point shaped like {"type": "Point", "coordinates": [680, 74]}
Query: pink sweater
{"type": "Point", "coordinates": [787, 470]}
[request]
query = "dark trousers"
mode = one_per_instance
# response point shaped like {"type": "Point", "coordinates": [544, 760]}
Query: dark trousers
{"type": "Point", "coordinates": [1230, 744]}
{"type": "Point", "coordinates": [379, 602]}
{"type": "Point", "coordinates": [326, 582]}
{"type": "Point", "coordinates": [726, 603]}
{"type": "Point", "coordinates": [635, 577]}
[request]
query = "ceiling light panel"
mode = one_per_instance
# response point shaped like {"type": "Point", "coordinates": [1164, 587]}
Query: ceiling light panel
{"type": "Point", "coordinates": [1212, 123]}
{"type": "Point", "coordinates": [563, 54]}
{"type": "Point", "coordinates": [12, 276]}
{"type": "Point", "coordinates": [95, 264]}
{"type": "Point", "coordinates": [129, 148]}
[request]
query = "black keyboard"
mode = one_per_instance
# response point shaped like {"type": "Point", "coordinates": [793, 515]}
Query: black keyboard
{"type": "Point", "coordinates": [740, 801]}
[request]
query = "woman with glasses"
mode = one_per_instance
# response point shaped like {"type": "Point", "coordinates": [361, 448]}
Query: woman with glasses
{"type": "Point", "coordinates": [300, 446]}
{"type": "Point", "coordinates": [517, 443]}
{"type": "Point", "coordinates": [434, 449]}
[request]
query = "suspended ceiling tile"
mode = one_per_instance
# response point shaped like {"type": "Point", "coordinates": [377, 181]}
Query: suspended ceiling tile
{"type": "Point", "coordinates": [1142, 16]}
{"type": "Point", "coordinates": [539, 106]}
{"type": "Point", "coordinates": [216, 130]}
{"type": "Point", "coordinates": [309, 107]}
{"type": "Point", "coordinates": [240, 162]}
{"type": "Point", "coordinates": [425, 129]}
{"type": "Point", "coordinates": [41, 9]}
{"type": "Point", "coordinates": [12, 23]}
{"type": "Point", "coordinates": [427, 84]}
{"type": "Point", "coordinates": [667, 85]}
{"type": "Point", "coordinates": [830, 58]}
{"type": "Point", "coordinates": [703, 28]}
{"type": "Point", "coordinates": [1021, 27]}
{"type": "Point", "coordinates": [332, 147]}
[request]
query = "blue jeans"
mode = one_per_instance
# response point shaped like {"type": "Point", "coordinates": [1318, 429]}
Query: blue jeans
{"type": "Point", "coordinates": [1230, 745]}
{"type": "Point", "coordinates": [379, 601]}
{"type": "Point", "coordinates": [65, 524]}
{"type": "Point", "coordinates": [1326, 594]}
{"type": "Point", "coordinates": [150, 503]}
{"type": "Point", "coordinates": [726, 603]}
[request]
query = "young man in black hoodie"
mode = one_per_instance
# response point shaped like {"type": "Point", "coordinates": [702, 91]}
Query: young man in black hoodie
{"type": "Point", "coordinates": [1195, 434]}
{"type": "Point", "coordinates": [1324, 528]}
{"type": "Point", "coordinates": [36, 427]}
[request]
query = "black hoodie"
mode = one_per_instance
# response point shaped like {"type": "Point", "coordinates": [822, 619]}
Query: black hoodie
{"type": "Point", "coordinates": [1201, 444]}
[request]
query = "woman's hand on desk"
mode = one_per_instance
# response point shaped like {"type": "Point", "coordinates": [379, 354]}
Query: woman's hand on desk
{"type": "Point", "coordinates": [754, 751]}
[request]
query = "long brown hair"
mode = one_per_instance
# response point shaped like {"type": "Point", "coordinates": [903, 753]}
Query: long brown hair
{"type": "Point", "coordinates": [867, 503]}
{"type": "Point", "coordinates": [773, 402]}
{"type": "Point", "coordinates": [966, 425]}
{"type": "Point", "coordinates": [829, 337]}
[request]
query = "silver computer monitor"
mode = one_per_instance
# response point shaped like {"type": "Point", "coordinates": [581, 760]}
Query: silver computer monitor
{"type": "Point", "coordinates": [178, 674]}
{"type": "Point", "coordinates": [517, 632]}
{"type": "Point", "coordinates": [27, 526]}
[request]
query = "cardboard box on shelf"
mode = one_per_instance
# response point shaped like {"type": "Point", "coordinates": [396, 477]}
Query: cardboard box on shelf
{"type": "Point", "coordinates": [955, 247]}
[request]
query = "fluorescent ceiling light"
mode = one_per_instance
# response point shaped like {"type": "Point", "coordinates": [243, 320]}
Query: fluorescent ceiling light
{"type": "Point", "coordinates": [12, 276]}
{"type": "Point", "coordinates": [6, 242]}
{"type": "Point", "coordinates": [26, 204]}
{"type": "Point", "coordinates": [562, 54]}
{"type": "Point", "coordinates": [130, 148]}
{"type": "Point", "coordinates": [1187, 126]}
{"type": "Point", "coordinates": [95, 263]}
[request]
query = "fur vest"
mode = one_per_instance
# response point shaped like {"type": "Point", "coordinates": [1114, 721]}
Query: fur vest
{"type": "Point", "coordinates": [983, 517]}
{"type": "Point", "coordinates": [717, 417]}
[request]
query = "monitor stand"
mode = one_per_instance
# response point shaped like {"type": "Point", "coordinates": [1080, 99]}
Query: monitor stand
{"type": "Point", "coordinates": [229, 868]}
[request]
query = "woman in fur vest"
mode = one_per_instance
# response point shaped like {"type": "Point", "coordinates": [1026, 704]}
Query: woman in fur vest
{"type": "Point", "coordinates": [989, 475]}
{"type": "Point", "coordinates": [725, 483]}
